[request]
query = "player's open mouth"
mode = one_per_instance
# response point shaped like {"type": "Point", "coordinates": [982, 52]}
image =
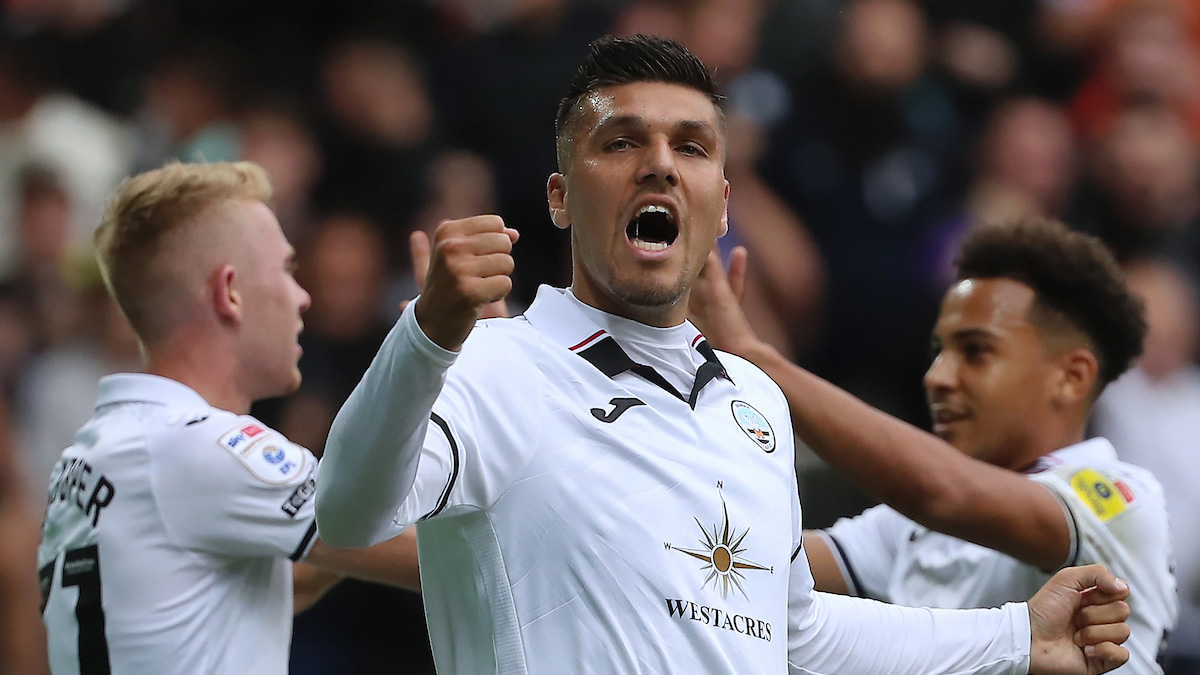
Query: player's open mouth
{"type": "Point", "coordinates": [653, 228]}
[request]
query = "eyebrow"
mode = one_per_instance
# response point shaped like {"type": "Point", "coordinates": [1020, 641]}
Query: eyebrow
{"type": "Point", "coordinates": [639, 123]}
{"type": "Point", "coordinates": [968, 333]}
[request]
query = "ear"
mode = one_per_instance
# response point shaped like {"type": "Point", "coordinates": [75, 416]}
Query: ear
{"type": "Point", "coordinates": [725, 213]}
{"type": "Point", "coordinates": [227, 300]}
{"type": "Point", "coordinates": [556, 196]}
{"type": "Point", "coordinates": [1078, 369]}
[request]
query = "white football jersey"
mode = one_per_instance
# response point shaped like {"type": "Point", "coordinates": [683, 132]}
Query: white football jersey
{"type": "Point", "coordinates": [168, 529]}
{"type": "Point", "coordinates": [581, 513]}
{"type": "Point", "coordinates": [1117, 518]}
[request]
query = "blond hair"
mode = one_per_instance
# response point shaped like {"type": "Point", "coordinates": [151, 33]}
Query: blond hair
{"type": "Point", "coordinates": [143, 213]}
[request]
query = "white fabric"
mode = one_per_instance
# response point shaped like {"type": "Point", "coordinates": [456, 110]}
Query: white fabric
{"type": "Point", "coordinates": [888, 557]}
{"type": "Point", "coordinates": [201, 510]}
{"type": "Point", "coordinates": [1155, 424]}
{"type": "Point", "coordinates": [561, 543]}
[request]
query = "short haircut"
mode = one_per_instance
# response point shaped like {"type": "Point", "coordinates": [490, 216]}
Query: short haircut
{"type": "Point", "coordinates": [140, 215]}
{"type": "Point", "coordinates": [613, 61]}
{"type": "Point", "coordinates": [1074, 276]}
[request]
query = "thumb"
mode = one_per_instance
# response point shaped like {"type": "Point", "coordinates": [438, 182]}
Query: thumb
{"type": "Point", "coordinates": [738, 262]}
{"type": "Point", "coordinates": [418, 244]}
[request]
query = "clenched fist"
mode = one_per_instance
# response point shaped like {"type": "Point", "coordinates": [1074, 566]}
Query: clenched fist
{"type": "Point", "coordinates": [469, 264]}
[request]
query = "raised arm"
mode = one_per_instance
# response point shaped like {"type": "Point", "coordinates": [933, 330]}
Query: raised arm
{"type": "Point", "coordinates": [911, 470]}
{"type": "Point", "coordinates": [375, 442]}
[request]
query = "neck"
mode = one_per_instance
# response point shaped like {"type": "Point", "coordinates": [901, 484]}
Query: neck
{"type": "Point", "coordinates": [203, 365]}
{"type": "Point", "coordinates": [659, 316]}
{"type": "Point", "coordinates": [1067, 436]}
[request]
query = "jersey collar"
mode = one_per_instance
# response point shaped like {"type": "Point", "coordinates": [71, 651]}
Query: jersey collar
{"type": "Point", "coordinates": [557, 317]}
{"type": "Point", "coordinates": [1087, 452]}
{"type": "Point", "coordinates": [145, 388]}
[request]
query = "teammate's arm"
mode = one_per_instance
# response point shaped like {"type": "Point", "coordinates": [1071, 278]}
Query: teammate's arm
{"type": "Point", "coordinates": [374, 445]}
{"type": "Point", "coordinates": [826, 573]}
{"type": "Point", "coordinates": [911, 470]}
{"type": "Point", "coordinates": [1073, 626]}
{"type": "Point", "coordinates": [393, 562]}
{"type": "Point", "coordinates": [309, 584]}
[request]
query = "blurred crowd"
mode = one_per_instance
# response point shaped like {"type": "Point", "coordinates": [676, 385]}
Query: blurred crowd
{"type": "Point", "coordinates": [865, 137]}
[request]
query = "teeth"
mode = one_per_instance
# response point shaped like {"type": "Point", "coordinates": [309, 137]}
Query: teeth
{"type": "Point", "coordinates": [654, 208]}
{"type": "Point", "coordinates": [650, 245]}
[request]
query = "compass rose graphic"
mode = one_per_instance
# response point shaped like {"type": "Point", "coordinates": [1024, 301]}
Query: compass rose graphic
{"type": "Point", "coordinates": [721, 550]}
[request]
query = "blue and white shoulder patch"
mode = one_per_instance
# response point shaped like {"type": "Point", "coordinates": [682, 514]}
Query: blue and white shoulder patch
{"type": "Point", "coordinates": [265, 452]}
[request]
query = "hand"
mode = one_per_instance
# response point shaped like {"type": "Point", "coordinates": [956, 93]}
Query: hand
{"type": "Point", "coordinates": [1077, 622]}
{"type": "Point", "coordinates": [419, 249]}
{"type": "Point", "coordinates": [468, 267]}
{"type": "Point", "coordinates": [715, 307]}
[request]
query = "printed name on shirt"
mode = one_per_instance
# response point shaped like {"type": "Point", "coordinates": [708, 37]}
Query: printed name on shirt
{"type": "Point", "coordinates": [718, 618]}
{"type": "Point", "coordinates": [72, 479]}
{"type": "Point", "coordinates": [1107, 498]}
{"type": "Point", "coordinates": [300, 495]}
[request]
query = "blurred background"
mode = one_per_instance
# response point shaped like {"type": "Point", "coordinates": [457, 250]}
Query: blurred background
{"type": "Point", "coordinates": [865, 137]}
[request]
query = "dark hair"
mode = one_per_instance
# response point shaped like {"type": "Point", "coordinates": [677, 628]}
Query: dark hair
{"type": "Point", "coordinates": [613, 60]}
{"type": "Point", "coordinates": [1073, 275]}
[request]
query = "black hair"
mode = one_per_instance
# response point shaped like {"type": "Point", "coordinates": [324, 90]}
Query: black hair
{"type": "Point", "coordinates": [1073, 275]}
{"type": "Point", "coordinates": [613, 60]}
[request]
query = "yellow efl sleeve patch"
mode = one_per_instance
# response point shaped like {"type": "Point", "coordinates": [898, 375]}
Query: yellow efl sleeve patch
{"type": "Point", "coordinates": [1099, 493]}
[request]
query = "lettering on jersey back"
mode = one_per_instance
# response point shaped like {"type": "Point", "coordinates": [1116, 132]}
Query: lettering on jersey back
{"type": "Point", "coordinates": [72, 479]}
{"type": "Point", "coordinates": [301, 495]}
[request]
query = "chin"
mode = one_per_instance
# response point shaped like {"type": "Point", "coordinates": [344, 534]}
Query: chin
{"type": "Point", "coordinates": [648, 296]}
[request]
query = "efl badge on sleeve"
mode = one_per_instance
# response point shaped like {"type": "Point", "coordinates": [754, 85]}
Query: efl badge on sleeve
{"type": "Point", "coordinates": [1100, 493]}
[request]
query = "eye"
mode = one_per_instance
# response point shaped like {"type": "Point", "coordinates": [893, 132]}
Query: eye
{"type": "Point", "coordinates": [618, 144]}
{"type": "Point", "coordinates": [692, 149]}
{"type": "Point", "coordinates": [974, 351]}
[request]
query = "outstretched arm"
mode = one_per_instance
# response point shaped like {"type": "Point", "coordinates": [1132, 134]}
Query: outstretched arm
{"type": "Point", "coordinates": [375, 442]}
{"type": "Point", "coordinates": [911, 470]}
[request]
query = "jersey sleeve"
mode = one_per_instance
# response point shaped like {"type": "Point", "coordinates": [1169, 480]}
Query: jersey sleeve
{"type": "Point", "coordinates": [835, 634]}
{"type": "Point", "coordinates": [231, 485]}
{"type": "Point", "coordinates": [481, 433]}
{"type": "Point", "coordinates": [865, 548]}
{"type": "Point", "coordinates": [425, 433]}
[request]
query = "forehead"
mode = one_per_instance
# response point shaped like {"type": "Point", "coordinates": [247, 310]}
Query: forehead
{"type": "Point", "coordinates": [657, 104]}
{"type": "Point", "coordinates": [999, 306]}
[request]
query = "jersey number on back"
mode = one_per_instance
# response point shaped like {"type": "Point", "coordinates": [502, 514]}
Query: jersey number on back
{"type": "Point", "coordinates": [81, 567]}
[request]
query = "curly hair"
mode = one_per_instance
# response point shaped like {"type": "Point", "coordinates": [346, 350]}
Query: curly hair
{"type": "Point", "coordinates": [1073, 275]}
{"type": "Point", "coordinates": [614, 61]}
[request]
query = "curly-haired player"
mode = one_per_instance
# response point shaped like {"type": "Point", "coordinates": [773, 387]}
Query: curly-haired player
{"type": "Point", "coordinates": [1038, 323]}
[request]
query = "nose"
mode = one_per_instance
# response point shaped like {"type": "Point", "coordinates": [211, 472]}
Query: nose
{"type": "Point", "coordinates": [305, 299]}
{"type": "Point", "coordinates": [658, 164]}
{"type": "Point", "coordinates": [941, 374]}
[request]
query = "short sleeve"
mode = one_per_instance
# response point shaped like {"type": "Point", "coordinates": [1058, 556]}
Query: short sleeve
{"type": "Point", "coordinates": [865, 548]}
{"type": "Point", "coordinates": [231, 485]}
